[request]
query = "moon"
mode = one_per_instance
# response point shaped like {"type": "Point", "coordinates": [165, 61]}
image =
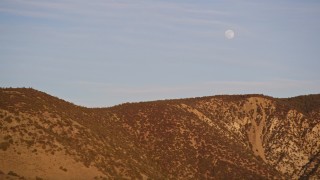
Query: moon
{"type": "Point", "coordinates": [229, 34]}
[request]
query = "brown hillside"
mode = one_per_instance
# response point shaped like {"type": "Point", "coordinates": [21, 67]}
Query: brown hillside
{"type": "Point", "coordinates": [218, 137]}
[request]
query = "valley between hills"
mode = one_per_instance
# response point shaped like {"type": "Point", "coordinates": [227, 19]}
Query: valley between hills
{"type": "Point", "coordinates": [215, 137]}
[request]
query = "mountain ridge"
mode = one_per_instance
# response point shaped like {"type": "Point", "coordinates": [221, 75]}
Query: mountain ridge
{"type": "Point", "coordinates": [224, 136]}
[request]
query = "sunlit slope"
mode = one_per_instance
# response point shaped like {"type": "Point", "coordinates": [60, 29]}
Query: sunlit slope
{"type": "Point", "coordinates": [249, 137]}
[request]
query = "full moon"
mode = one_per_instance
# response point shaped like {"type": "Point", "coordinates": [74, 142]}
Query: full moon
{"type": "Point", "coordinates": [229, 34]}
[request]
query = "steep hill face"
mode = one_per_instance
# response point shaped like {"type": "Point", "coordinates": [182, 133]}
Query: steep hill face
{"type": "Point", "coordinates": [237, 137]}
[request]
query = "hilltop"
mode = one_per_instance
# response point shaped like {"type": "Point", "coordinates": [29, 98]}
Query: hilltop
{"type": "Point", "coordinates": [217, 137]}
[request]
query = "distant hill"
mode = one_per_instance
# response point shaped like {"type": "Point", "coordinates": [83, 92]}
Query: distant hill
{"type": "Point", "coordinates": [218, 137]}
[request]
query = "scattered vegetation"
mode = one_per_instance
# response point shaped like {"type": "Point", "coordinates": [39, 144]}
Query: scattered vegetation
{"type": "Point", "coordinates": [170, 139]}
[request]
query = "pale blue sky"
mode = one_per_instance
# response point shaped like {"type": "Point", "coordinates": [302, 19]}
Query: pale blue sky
{"type": "Point", "coordinates": [106, 52]}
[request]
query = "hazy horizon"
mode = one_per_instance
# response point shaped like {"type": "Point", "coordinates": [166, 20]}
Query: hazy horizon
{"type": "Point", "coordinates": [103, 53]}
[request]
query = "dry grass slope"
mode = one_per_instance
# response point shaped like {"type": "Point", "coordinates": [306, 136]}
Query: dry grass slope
{"type": "Point", "coordinates": [218, 137]}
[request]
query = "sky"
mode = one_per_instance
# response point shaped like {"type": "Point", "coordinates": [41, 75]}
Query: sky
{"type": "Point", "coordinates": [101, 53]}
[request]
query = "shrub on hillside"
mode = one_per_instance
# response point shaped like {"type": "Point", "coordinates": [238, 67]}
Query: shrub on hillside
{"type": "Point", "coordinates": [8, 119]}
{"type": "Point", "coordinates": [64, 169]}
{"type": "Point", "coordinates": [11, 173]}
{"type": "Point", "coordinates": [7, 137]}
{"type": "Point", "coordinates": [4, 145]}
